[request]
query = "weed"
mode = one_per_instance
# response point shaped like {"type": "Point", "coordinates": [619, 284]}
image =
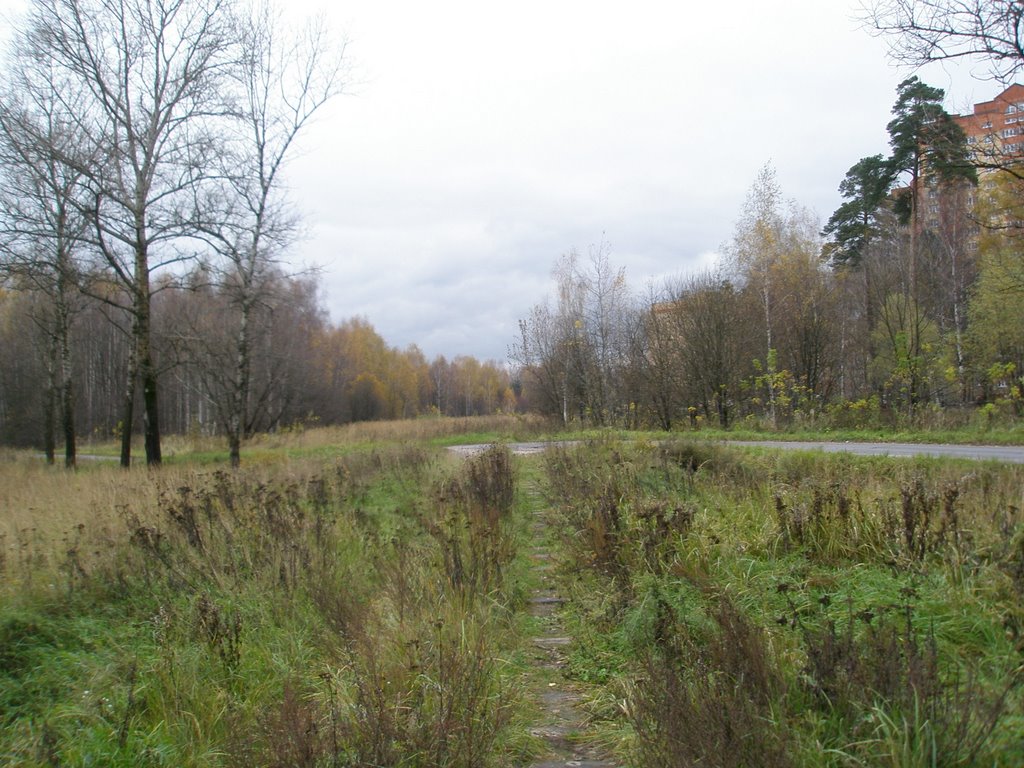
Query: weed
{"type": "Point", "coordinates": [221, 629]}
{"type": "Point", "coordinates": [471, 526]}
{"type": "Point", "coordinates": [887, 677]}
{"type": "Point", "coordinates": [292, 732]}
{"type": "Point", "coordinates": [709, 700]}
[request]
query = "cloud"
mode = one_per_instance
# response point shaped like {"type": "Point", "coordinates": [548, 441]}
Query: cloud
{"type": "Point", "coordinates": [488, 140]}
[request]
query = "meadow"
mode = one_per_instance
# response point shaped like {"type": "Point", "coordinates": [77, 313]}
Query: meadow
{"type": "Point", "coordinates": [356, 597]}
{"type": "Point", "coordinates": [793, 609]}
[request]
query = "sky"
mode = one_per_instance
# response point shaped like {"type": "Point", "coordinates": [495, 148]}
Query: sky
{"type": "Point", "coordinates": [477, 142]}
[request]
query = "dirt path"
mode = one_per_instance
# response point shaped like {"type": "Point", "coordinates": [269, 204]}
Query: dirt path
{"type": "Point", "coordinates": [563, 725]}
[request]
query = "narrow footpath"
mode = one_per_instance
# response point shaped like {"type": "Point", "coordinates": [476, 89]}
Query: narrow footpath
{"type": "Point", "coordinates": [562, 725]}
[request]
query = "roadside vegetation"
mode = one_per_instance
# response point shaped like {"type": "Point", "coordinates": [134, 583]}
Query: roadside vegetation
{"type": "Point", "coordinates": [353, 610]}
{"type": "Point", "coordinates": [795, 609]}
{"type": "Point", "coordinates": [357, 596]}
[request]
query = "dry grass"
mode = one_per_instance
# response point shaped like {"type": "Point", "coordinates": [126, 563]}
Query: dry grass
{"type": "Point", "coordinates": [302, 611]}
{"type": "Point", "coordinates": [52, 520]}
{"type": "Point", "coordinates": [513, 425]}
{"type": "Point", "coordinates": [49, 516]}
{"type": "Point", "coordinates": [45, 513]}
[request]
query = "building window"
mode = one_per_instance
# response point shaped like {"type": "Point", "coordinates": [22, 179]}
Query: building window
{"type": "Point", "coordinates": [987, 124]}
{"type": "Point", "coordinates": [1011, 120]}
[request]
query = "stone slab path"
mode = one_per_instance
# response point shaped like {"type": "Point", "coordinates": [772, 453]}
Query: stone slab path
{"type": "Point", "coordinates": [562, 725]}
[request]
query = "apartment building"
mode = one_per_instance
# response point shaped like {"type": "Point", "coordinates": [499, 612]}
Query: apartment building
{"type": "Point", "coordinates": [997, 126]}
{"type": "Point", "coordinates": [995, 135]}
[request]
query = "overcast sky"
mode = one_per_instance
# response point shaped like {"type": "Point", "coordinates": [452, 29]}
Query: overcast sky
{"type": "Point", "coordinates": [480, 141]}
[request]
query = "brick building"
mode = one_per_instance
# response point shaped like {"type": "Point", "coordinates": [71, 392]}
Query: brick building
{"type": "Point", "coordinates": [997, 125]}
{"type": "Point", "coordinates": [995, 135]}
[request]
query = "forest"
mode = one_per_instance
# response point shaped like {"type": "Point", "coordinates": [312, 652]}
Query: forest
{"type": "Point", "coordinates": [147, 250]}
{"type": "Point", "coordinates": [905, 305]}
{"type": "Point", "coordinates": [147, 239]}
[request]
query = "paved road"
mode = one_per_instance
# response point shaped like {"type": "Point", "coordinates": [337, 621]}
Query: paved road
{"type": "Point", "coordinates": [1008, 453]}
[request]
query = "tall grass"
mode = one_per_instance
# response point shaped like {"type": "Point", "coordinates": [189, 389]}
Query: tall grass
{"type": "Point", "coordinates": [299, 613]}
{"type": "Point", "coordinates": [797, 609]}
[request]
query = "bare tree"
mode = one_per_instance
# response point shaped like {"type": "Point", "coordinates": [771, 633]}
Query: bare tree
{"type": "Point", "coordinates": [925, 31]}
{"type": "Point", "coordinates": [540, 355]}
{"type": "Point", "coordinates": [985, 32]}
{"type": "Point", "coordinates": [42, 222]}
{"type": "Point", "coordinates": [150, 70]}
{"type": "Point", "coordinates": [577, 354]}
{"type": "Point", "coordinates": [281, 80]}
{"type": "Point", "coordinates": [659, 361]}
{"type": "Point", "coordinates": [714, 334]}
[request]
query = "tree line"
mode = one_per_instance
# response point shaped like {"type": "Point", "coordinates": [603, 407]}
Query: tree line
{"type": "Point", "coordinates": [907, 300]}
{"type": "Point", "coordinates": [145, 232]}
{"type": "Point", "coordinates": [306, 369]}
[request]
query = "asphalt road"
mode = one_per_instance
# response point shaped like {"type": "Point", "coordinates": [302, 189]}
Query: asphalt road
{"type": "Point", "coordinates": [1009, 453]}
{"type": "Point", "coordinates": [1013, 454]}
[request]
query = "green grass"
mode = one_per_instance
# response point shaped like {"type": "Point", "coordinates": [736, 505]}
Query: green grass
{"type": "Point", "coordinates": [336, 600]}
{"type": "Point", "coordinates": [698, 566]}
{"type": "Point", "coordinates": [300, 611]}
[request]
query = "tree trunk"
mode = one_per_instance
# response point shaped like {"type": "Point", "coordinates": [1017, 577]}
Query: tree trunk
{"type": "Point", "coordinates": [128, 407]}
{"type": "Point", "coordinates": [238, 418]}
{"type": "Point", "coordinates": [49, 400]}
{"type": "Point", "coordinates": [67, 391]}
{"type": "Point", "coordinates": [147, 368]}
{"type": "Point", "coordinates": [151, 415]}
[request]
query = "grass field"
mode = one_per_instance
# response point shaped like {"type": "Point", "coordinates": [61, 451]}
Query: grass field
{"type": "Point", "coordinates": [355, 597]}
{"type": "Point", "coordinates": [768, 609]}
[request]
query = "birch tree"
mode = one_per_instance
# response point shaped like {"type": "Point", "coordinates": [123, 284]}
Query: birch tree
{"type": "Point", "coordinates": [281, 80]}
{"type": "Point", "coordinates": [756, 250]}
{"type": "Point", "coordinates": [151, 71]}
{"type": "Point", "coordinates": [42, 223]}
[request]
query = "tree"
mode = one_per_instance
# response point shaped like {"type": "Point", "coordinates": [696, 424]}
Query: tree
{"type": "Point", "coordinates": [151, 71]}
{"type": "Point", "coordinates": [441, 383]}
{"type": "Point", "coordinates": [543, 365]}
{"type": "Point", "coordinates": [926, 31]}
{"type": "Point", "coordinates": [806, 312]}
{"type": "Point", "coordinates": [660, 361]}
{"type": "Point", "coordinates": [757, 249]}
{"type": "Point", "coordinates": [714, 334]}
{"type": "Point", "coordinates": [995, 333]}
{"type": "Point", "coordinates": [854, 223]}
{"type": "Point", "coordinates": [42, 222]}
{"type": "Point", "coordinates": [924, 139]}
{"type": "Point", "coordinates": [21, 369]}
{"type": "Point", "coordinates": [576, 355]}
{"type": "Point", "coordinates": [858, 223]}
{"type": "Point", "coordinates": [928, 172]}
{"type": "Point", "coordinates": [995, 337]}
{"type": "Point", "coordinates": [908, 343]}
{"type": "Point", "coordinates": [280, 82]}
